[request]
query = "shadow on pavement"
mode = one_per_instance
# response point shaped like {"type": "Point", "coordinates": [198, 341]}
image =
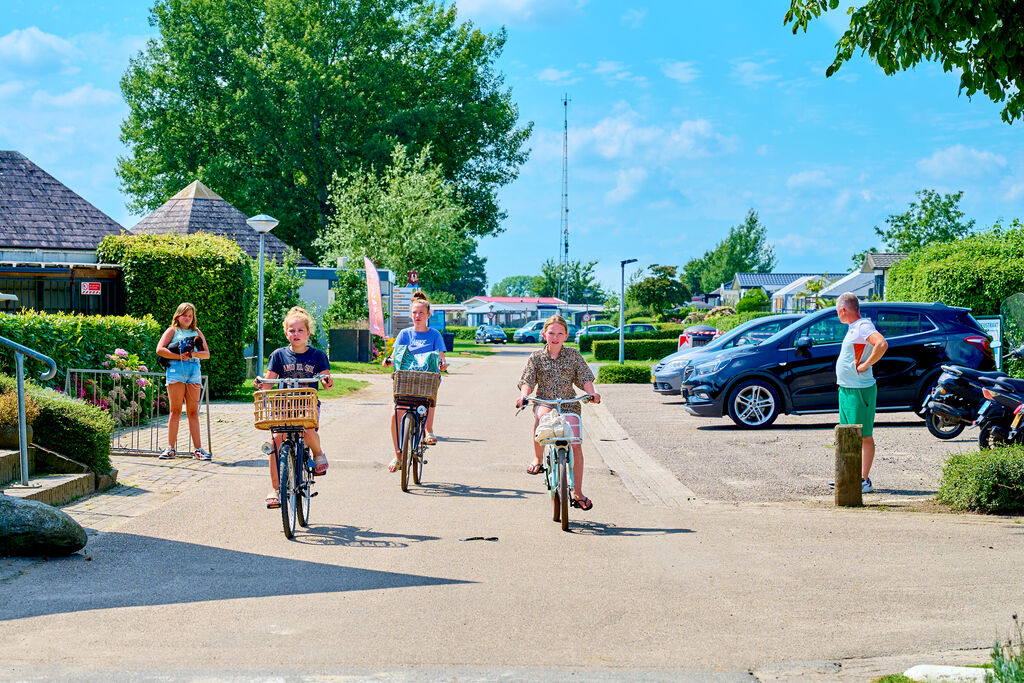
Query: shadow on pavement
{"type": "Point", "coordinates": [127, 570]}
{"type": "Point", "coordinates": [447, 489]}
{"type": "Point", "coordinates": [731, 427]}
{"type": "Point", "coordinates": [458, 439]}
{"type": "Point", "coordinates": [609, 529]}
{"type": "Point", "coordinates": [256, 462]}
{"type": "Point", "coordinates": [356, 537]}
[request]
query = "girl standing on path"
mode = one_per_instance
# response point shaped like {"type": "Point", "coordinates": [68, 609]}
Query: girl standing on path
{"type": "Point", "coordinates": [183, 344]}
{"type": "Point", "coordinates": [553, 371]}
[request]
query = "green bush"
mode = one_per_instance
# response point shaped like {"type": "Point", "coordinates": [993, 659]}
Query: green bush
{"type": "Point", "coordinates": [76, 341]}
{"type": "Point", "coordinates": [989, 481]}
{"type": "Point", "coordinates": [976, 272]}
{"type": "Point", "coordinates": [627, 373]}
{"type": "Point", "coordinates": [754, 300]}
{"type": "Point", "coordinates": [161, 271]}
{"type": "Point", "coordinates": [640, 319]}
{"type": "Point", "coordinates": [635, 349]}
{"type": "Point", "coordinates": [668, 331]}
{"type": "Point", "coordinates": [726, 323]}
{"type": "Point", "coordinates": [74, 428]}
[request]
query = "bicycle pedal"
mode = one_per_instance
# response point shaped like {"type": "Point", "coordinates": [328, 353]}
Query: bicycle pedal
{"type": "Point", "coordinates": [314, 494]}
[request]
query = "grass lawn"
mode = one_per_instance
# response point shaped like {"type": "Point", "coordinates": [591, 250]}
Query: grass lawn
{"type": "Point", "coordinates": [346, 367]}
{"type": "Point", "coordinates": [467, 348]}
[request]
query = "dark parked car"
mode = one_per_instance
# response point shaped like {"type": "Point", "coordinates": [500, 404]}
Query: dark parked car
{"type": "Point", "coordinates": [488, 334]}
{"type": "Point", "coordinates": [794, 370]}
{"type": "Point", "coordinates": [667, 374]}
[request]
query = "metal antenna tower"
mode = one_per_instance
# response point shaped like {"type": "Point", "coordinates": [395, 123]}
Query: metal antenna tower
{"type": "Point", "coordinates": [563, 239]}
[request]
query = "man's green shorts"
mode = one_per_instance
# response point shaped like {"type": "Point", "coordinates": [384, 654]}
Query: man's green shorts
{"type": "Point", "coordinates": [857, 407]}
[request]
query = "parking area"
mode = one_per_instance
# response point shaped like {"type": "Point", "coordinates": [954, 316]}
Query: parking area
{"type": "Point", "coordinates": [790, 461]}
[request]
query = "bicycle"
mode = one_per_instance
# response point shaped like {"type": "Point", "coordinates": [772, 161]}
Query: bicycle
{"type": "Point", "coordinates": [558, 458]}
{"type": "Point", "coordinates": [290, 410]}
{"type": "Point", "coordinates": [415, 392]}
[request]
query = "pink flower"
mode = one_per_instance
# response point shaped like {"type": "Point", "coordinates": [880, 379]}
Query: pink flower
{"type": "Point", "coordinates": [143, 368]}
{"type": "Point", "coordinates": [142, 382]}
{"type": "Point", "coordinates": [105, 363]}
{"type": "Point", "coordinates": [115, 376]}
{"type": "Point", "coordinates": [121, 352]}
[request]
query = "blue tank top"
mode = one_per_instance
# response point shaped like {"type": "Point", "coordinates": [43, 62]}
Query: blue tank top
{"type": "Point", "coordinates": [180, 334]}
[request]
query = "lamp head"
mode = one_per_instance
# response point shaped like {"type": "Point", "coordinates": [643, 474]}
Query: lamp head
{"type": "Point", "coordinates": [623, 263]}
{"type": "Point", "coordinates": [262, 223]}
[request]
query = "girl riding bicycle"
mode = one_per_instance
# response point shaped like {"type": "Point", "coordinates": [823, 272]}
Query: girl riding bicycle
{"type": "Point", "coordinates": [553, 371]}
{"type": "Point", "coordinates": [418, 339]}
{"type": "Point", "coordinates": [298, 359]}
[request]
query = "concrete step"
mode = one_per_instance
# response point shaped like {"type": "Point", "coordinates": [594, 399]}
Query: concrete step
{"type": "Point", "coordinates": [55, 489]}
{"type": "Point", "coordinates": [10, 464]}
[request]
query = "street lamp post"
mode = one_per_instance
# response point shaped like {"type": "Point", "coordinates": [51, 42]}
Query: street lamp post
{"type": "Point", "coordinates": [261, 224]}
{"type": "Point", "coordinates": [622, 309]}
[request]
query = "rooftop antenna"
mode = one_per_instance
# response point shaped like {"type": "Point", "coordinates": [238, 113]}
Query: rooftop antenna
{"type": "Point", "coordinates": [563, 246]}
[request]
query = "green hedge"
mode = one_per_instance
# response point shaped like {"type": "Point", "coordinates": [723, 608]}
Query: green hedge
{"type": "Point", "coordinates": [975, 272]}
{"type": "Point", "coordinates": [161, 271]}
{"type": "Point", "coordinates": [76, 341]}
{"type": "Point", "coordinates": [627, 373]}
{"type": "Point", "coordinates": [671, 331]}
{"type": "Point", "coordinates": [74, 428]}
{"type": "Point", "coordinates": [727, 322]}
{"type": "Point", "coordinates": [635, 349]}
{"type": "Point", "coordinates": [990, 481]}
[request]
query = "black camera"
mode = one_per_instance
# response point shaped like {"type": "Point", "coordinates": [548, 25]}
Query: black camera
{"type": "Point", "coordinates": [186, 345]}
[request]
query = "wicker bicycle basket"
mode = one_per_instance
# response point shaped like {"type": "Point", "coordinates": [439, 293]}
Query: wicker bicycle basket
{"type": "Point", "coordinates": [416, 385]}
{"type": "Point", "coordinates": [286, 407]}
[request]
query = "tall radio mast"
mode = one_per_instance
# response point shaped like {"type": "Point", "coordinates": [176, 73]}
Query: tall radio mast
{"type": "Point", "coordinates": [563, 246]}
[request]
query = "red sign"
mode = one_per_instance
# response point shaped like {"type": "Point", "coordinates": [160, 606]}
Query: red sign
{"type": "Point", "coordinates": [373, 298]}
{"type": "Point", "coordinates": [490, 316]}
{"type": "Point", "coordinates": [586, 317]}
{"type": "Point", "coordinates": [414, 277]}
{"type": "Point", "coordinates": [91, 288]}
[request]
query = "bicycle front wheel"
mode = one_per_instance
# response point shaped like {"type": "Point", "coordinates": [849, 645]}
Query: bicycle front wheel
{"type": "Point", "coordinates": [563, 489]}
{"type": "Point", "coordinates": [408, 430]}
{"type": "Point", "coordinates": [304, 477]}
{"type": "Point", "coordinates": [286, 487]}
{"type": "Point", "coordinates": [417, 462]}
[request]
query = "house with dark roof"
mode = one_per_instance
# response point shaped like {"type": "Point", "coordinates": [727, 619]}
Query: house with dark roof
{"type": "Point", "coordinates": [879, 264]}
{"type": "Point", "coordinates": [48, 240]}
{"type": "Point", "coordinates": [767, 282]}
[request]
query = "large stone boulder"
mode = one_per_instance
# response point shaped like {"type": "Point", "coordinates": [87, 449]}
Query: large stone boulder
{"type": "Point", "coordinates": [29, 528]}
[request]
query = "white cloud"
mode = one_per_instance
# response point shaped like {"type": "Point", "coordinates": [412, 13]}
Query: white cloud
{"type": "Point", "coordinates": [815, 178]}
{"type": "Point", "coordinates": [627, 184]}
{"type": "Point", "coordinates": [552, 75]}
{"type": "Point", "coordinates": [959, 161]}
{"type": "Point", "coordinates": [763, 150]}
{"type": "Point", "coordinates": [520, 12]}
{"type": "Point", "coordinates": [796, 242]}
{"type": "Point", "coordinates": [32, 49]}
{"type": "Point", "coordinates": [634, 18]}
{"type": "Point", "coordinates": [1014, 191]}
{"type": "Point", "coordinates": [617, 72]}
{"type": "Point", "coordinates": [624, 137]}
{"type": "Point", "coordinates": [83, 96]}
{"type": "Point", "coordinates": [11, 88]}
{"type": "Point", "coordinates": [684, 72]}
{"type": "Point", "coordinates": [752, 74]}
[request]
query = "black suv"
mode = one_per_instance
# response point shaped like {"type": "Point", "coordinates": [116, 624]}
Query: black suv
{"type": "Point", "coordinates": [794, 371]}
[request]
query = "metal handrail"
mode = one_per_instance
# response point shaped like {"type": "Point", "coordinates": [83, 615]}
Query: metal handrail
{"type": "Point", "coordinates": [19, 361]}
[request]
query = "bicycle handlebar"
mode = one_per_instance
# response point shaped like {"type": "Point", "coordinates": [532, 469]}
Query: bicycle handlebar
{"type": "Point", "coordinates": [555, 402]}
{"type": "Point", "coordinates": [289, 381]}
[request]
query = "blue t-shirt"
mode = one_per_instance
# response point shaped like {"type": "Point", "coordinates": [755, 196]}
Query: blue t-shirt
{"type": "Point", "coordinates": [421, 342]}
{"type": "Point", "coordinates": [286, 363]}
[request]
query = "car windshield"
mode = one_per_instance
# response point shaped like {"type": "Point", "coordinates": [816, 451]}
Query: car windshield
{"type": "Point", "coordinates": [765, 329]}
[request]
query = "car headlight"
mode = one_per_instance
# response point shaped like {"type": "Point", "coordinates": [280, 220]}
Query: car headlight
{"type": "Point", "coordinates": [710, 367]}
{"type": "Point", "coordinates": [675, 365]}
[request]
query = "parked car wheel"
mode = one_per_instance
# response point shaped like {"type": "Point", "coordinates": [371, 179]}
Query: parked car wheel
{"type": "Point", "coordinates": [754, 404]}
{"type": "Point", "coordinates": [943, 427]}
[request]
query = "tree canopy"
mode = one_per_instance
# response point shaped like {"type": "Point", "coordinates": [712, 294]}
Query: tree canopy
{"type": "Point", "coordinates": [933, 218]}
{"type": "Point", "coordinates": [981, 39]}
{"type": "Point", "coordinates": [744, 250]}
{"type": "Point", "coordinates": [583, 288]}
{"type": "Point", "coordinates": [516, 285]}
{"type": "Point", "coordinates": [266, 101]}
{"type": "Point", "coordinates": [660, 290]}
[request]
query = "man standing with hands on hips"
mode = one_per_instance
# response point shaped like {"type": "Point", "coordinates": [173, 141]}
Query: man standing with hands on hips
{"type": "Point", "coordinates": [862, 347]}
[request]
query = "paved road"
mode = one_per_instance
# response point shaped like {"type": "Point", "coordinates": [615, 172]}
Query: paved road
{"type": "Point", "coordinates": [197, 580]}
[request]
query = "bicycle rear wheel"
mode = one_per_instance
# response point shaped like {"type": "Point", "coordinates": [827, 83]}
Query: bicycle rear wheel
{"type": "Point", "coordinates": [286, 487]}
{"type": "Point", "coordinates": [408, 429]}
{"type": "Point", "coordinates": [417, 462]}
{"type": "Point", "coordinates": [304, 477]}
{"type": "Point", "coordinates": [563, 489]}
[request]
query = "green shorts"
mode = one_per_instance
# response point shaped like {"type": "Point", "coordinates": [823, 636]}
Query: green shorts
{"type": "Point", "coordinates": [857, 407]}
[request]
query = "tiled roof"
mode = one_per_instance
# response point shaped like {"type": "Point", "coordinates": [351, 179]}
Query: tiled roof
{"type": "Point", "coordinates": [882, 261]}
{"type": "Point", "coordinates": [199, 209]}
{"type": "Point", "coordinates": [857, 282]}
{"type": "Point", "coordinates": [37, 211]}
{"type": "Point", "coordinates": [771, 282]}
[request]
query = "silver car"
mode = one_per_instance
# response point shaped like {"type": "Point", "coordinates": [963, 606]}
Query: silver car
{"type": "Point", "coordinates": [667, 373]}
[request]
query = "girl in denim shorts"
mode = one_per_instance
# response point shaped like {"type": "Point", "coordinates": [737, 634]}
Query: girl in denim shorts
{"type": "Point", "coordinates": [184, 377]}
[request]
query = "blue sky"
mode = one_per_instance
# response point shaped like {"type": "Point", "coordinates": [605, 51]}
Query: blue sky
{"type": "Point", "coordinates": [684, 116]}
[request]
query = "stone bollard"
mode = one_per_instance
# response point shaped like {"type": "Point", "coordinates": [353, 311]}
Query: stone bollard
{"type": "Point", "coordinates": [848, 464]}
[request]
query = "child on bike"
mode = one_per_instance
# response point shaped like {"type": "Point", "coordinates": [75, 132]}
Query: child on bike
{"type": "Point", "coordinates": [553, 371]}
{"type": "Point", "coordinates": [298, 360]}
{"type": "Point", "coordinates": [419, 339]}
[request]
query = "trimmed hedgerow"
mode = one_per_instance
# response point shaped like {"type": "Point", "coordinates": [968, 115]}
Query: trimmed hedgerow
{"type": "Point", "coordinates": [74, 428]}
{"type": "Point", "coordinates": [634, 349]}
{"type": "Point", "coordinates": [212, 272]}
{"type": "Point", "coordinates": [627, 373]}
{"type": "Point", "coordinates": [76, 341]}
{"type": "Point", "coordinates": [989, 481]}
{"type": "Point", "coordinates": [671, 331]}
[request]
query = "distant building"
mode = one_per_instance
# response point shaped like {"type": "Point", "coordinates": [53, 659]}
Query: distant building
{"type": "Point", "coordinates": [768, 282]}
{"type": "Point", "coordinates": [878, 265]}
{"type": "Point", "coordinates": [860, 284]}
{"type": "Point", "coordinates": [509, 311]}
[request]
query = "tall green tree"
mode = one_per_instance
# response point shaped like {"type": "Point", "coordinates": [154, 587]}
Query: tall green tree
{"type": "Point", "coordinates": [693, 273]}
{"type": "Point", "coordinates": [980, 39]}
{"type": "Point", "coordinates": [582, 287]}
{"type": "Point", "coordinates": [660, 290]}
{"type": "Point", "coordinates": [516, 285]}
{"type": "Point", "coordinates": [744, 250]}
{"type": "Point", "coordinates": [267, 101]}
{"type": "Point", "coordinates": [933, 218]}
{"type": "Point", "coordinates": [402, 219]}
{"type": "Point", "coordinates": [281, 285]}
{"type": "Point", "coordinates": [471, 280]}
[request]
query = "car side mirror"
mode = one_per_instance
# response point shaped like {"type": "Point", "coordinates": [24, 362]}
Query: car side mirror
{"type": "Point", "coordinates": [803, 346]}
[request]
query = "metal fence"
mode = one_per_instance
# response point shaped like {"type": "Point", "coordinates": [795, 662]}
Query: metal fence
{"type": "Point", "coordinates": [138, 403]}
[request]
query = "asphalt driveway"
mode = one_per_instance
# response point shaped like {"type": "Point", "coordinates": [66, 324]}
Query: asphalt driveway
{"type": "Point", "coordinates": [791, 460]}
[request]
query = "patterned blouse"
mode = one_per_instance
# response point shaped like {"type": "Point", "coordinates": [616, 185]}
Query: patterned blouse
{"type": "Point", "coordinates": [553, 377]}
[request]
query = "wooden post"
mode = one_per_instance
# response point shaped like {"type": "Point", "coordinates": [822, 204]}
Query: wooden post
{"type": "Point", "coordinates": [848, 464]}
